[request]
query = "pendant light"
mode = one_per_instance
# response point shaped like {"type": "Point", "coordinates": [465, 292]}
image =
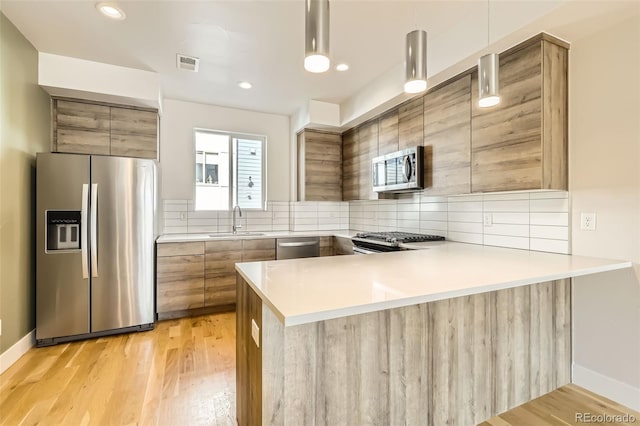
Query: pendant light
{"type": "Point", "coordinates": [316, 40]}
{"type": "Point", "coordinates": [416, 62]}
{"type": "Point", "coordinates": [488, 71]}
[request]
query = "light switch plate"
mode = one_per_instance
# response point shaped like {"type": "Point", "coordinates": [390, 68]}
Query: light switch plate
{"type": "Point", "coordinates": [255, 332]}
{"type": "Point", "coordinates": [588, 221]}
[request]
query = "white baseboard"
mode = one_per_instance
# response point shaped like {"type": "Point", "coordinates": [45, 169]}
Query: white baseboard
{"type": "Point", "coordinates": [11, 355]}
{"type": "Point", "coordinates": [620, 392]}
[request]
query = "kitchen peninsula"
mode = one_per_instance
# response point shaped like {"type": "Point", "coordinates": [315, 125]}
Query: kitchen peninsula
{"type": "Point", "coordinates": [452, 334]}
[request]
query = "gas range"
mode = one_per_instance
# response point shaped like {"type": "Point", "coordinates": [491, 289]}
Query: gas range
{"type": "Point", "coordinates": [377, 242]}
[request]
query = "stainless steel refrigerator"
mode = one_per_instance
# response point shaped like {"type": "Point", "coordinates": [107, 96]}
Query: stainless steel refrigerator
{"type": "Point", "coordinates": [95, 246]}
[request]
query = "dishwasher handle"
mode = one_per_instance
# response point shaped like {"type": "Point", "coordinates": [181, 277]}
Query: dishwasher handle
{"type": "Point", "coordinates": [299, 244]}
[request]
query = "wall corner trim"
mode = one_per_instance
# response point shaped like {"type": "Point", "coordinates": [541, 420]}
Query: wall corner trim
{"type": "Point", "coordinates": [11, 355]}
{"type": "Point", "coordinates": [620, 392]}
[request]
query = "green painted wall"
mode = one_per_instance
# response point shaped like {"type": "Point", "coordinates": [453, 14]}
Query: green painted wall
{"type": "Point", "coordinates": [24, 130]}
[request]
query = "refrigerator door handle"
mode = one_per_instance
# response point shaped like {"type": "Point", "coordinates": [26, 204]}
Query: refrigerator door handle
{"type": "Point", "coordinates": [94, 229]}
{"type": "Point", "coordinates": [85, 230]}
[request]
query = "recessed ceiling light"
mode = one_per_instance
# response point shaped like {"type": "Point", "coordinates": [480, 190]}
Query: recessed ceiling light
{"type": "Point", "coordinates": [342, 67]}
{"type": "Point", "coordinates": [245, 85]}
{"type": "Point", "coordinates": [111, 10]}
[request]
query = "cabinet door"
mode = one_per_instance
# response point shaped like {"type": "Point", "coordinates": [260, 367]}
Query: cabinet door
{"type": "Point", "coordinates": [258, 250]}
{"type": "Point", "coordinates": [410, 124]}
{"type": "Point", "coordinates": [322, 166]}
{"type": "Point", "coordinates": [506, 149]}
{"type": "Point", "coordinates": [447, 138]}
{"type": "Point", "coordinates": [81, 128]}
{"type": "Point", "coordinates": [350, 165]}
{"type": "Point", "coordinates": [388, 133]}
{"type": "Point", "coordinates": [134, 133]}
{"type": "Point", "coordinates": [220, 272]}
{"type": "Point", "coordinates": [180, 276]}
{"type": "Point", "coordinates": [367, 151]}
{"type": "Point", "coordinates": [326, 246]}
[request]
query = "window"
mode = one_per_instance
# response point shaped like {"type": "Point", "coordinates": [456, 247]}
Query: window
{"type": "Point", "coordinates": [229, 170]}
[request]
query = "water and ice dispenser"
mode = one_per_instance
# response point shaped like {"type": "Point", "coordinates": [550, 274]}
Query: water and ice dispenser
{"type": "Point", "coordinates": [63, 230]}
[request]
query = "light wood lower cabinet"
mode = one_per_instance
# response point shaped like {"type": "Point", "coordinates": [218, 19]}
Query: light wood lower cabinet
{"type": "Point", "coordinates": [326, 246]}
{"type": "Point", "coordinates": [180, 276]}
{"type": "Point", "coordinates": [198, 275]}
{"type": "Point", "coordinates": [220, 271]}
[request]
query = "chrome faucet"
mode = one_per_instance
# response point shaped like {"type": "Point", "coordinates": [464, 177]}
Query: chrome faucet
{"type": "Point", "coordinates": [235, 227]}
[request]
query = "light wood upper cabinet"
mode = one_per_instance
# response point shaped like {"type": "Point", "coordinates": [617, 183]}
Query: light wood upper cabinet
{"type": "Point", "coordinates": [410, 124]}
{"type": "Point", "coordinates": [367, 151]}
{"type": "Point", "coordinates": [84, 127]}
{"type": "Point", "coordinates": [522, 142]}
{"type": "Point", "coordinates": [319, 166]}
{"type": "Point", "coordinates": [447, 138]}
{"type": "Point", "coordinates": [388, 133]}
{"type": "Point", "coordinates": [81, 128]}
{"type": "Point", "coordinates": [350, 165]}
{"type": "Point", "coordinates": [134, 133]}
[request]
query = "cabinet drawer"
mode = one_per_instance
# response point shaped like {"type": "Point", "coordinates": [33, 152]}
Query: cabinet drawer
{"type": "Point", "coordinates": [223, 246]}
{"type": "Point", "coordinates": [179, 249]}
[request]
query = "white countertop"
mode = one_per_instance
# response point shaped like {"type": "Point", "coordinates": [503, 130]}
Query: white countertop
{"type": "Point", "coordinates": [301, 291]}
{"type": "Point", "coordinates": [185, 238]}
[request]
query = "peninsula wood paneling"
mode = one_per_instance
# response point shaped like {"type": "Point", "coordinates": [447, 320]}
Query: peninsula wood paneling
{"type": "Point", "coordinates": [319, 166]}
{"type": "Point", "coordinates": [350, 165]}
{"type": "Point", "coordinates": [447, 138]}
{"type": "Point", "coordinates": [522, 142]}
{"type": "Point", "coordinates": [456, 361]}
{"type": "Point", "coordinates": [220, 272]}
{"type": "Point", "coordinates": [388, 132]}
{"type": "Point", "coordinates": [411, 124]}
{"type": "Point", "coordinates": [367, 151]}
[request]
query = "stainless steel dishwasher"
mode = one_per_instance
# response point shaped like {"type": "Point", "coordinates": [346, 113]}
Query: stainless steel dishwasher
{"type": "Point", "coordinates": [297, 247]}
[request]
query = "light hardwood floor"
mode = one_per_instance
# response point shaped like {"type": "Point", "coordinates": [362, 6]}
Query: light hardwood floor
{"type": "Point", "coordinates": [180, 373]}
{"type": "Point", "coordinates": [563, 407]}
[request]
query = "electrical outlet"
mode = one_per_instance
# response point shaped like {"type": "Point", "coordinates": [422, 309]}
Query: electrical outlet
{"type": "Point", "coordinates": [588, 221]}
{"type": "Point", "coordinates": [487, 219]}
{"type": "Point", "coordinates": [183, 215]}
{"type": "Point", "coordinates": [255, 332]}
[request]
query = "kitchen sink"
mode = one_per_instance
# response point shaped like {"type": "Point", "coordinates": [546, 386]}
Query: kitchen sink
{"type": "Point", "coordinates": [237, 234]}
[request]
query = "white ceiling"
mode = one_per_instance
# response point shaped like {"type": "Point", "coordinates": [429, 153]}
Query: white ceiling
{"type": "Point", "coordinates": [258, 41]}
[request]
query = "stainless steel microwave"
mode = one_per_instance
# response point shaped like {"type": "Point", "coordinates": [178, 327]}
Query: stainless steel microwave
{"type": "Point", "coordinates": [399, 171]}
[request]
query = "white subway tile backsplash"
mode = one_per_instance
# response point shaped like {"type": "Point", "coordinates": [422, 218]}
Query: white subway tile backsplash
{"type": "Point", "coordinates": [429, 215]}
{"type": "Point", "coordinates": [503, 196]}
{"type": "Point", "coordinates": [507, 206]}
{"type": "Point", "coordinates": [550, 205]}
{"type": "Point", "coordinates": [468, 227]}
{"type": "Point", "coordinates": [174, 222]}
{"type": "Point", "coordinates": [535, 195]}
{"type": "Point", "coordinates": [554, 219]}
{"type": "Point", "coordinates": [433, 207]}
{"type": "Point", "coordinates": [462, 237]}
{"type": "Point", "coordinates": [510, 230]}
{"type": "Point", "coordinates": [203, 222]}
{"type": "Point", "coordinates": [175, 229]}
{"type": "Point", "coordinates": [430, 224]}
{"type": "Point", "coordinates": [554, 246]}
{"type": "Point", "coordinates": [506, 241]}
{"type": "Point", "coordinates": [464, 197]}
{"type": "Point", "coordinates": [510, 218]}
{"type": "Point", "coordinates": [550, 232]}
{"type": "Point", "coordinates": [465, 206]}
{"type": "Point", "coordinates": [465, 216]}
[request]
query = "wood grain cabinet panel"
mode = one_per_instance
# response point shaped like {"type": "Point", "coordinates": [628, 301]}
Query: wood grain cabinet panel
{"type": "Point", "coordinates": [319, 166]}
{"type": "Point", "coordinates": [85, 127]}
{"type": "Point", "coordinates": [326, 246]}
{"type": "Point", "coordinates": [350, 165]}
{"type": "Point", "coordinates": [180, 282]}
{"type": "Point", "coordinates": [522, 142]}
{"type": "Point", "coordinates": [367, 149]}
{"type": "Point", "coordinates": [134, 133]}
{"type": "Point", "coordinates": [410, 124]}
{"type": "Point", "coordinates": [447, 138]}
{"type": "Point", "coordinates": [258, 250]}
{"type": "Point", "coordinates": [388, 133]}
{"type": "Point", "coordinates": [81, 128]}
{"type": "Point", "coordinates": [220, 272]}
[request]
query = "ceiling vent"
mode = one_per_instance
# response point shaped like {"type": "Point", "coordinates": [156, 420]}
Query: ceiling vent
{"type": "Point", "coordinates": [188, 63]}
